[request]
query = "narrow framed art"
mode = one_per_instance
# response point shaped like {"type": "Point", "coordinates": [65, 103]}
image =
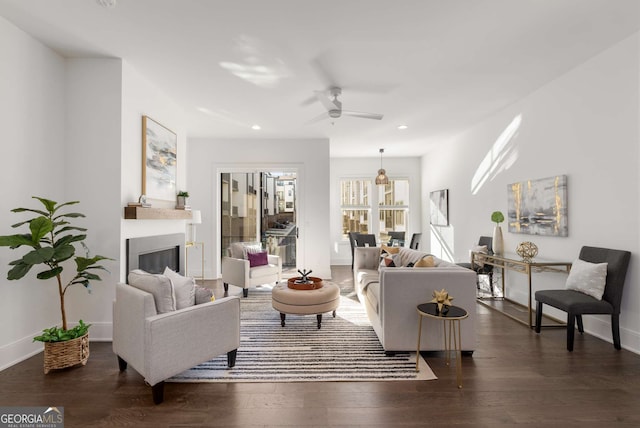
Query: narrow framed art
{"type": "Point", "coordinates": [159, 160]}
{"type": "Point", "coordinates": [439, 207]}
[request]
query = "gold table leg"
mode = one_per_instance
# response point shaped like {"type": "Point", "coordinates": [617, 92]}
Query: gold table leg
{"type": "Point", "coordinates": [419, 335]}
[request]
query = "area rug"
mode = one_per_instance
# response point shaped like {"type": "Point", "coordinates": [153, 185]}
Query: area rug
{"type": "Point", "coordinates": [345, 349]}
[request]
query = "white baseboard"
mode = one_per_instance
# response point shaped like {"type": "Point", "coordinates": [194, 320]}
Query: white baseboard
{"type": "Point", "coordinates": [24, 348]}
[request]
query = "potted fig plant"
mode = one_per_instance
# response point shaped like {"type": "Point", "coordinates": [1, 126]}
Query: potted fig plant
{"type": "Point", "coordinates": [51, 239]}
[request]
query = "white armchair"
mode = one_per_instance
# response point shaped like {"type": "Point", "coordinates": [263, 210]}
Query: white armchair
{"type": "Point", "coordinates": [237, 270]}
{"type": "Point", "coordinates": [159, 346]}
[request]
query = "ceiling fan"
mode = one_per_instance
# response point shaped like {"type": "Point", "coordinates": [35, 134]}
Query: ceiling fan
{"type": "Point", "coordinates": [334, 106]}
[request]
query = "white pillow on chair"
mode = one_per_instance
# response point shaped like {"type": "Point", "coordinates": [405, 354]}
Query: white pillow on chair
{"type": "Point", "coordinates": [184, 288]}
{"type": "Point", "coordinates": [588, 278]}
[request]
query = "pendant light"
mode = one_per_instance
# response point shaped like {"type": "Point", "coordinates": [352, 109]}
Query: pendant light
{"type": "Point", "coordinates": [382, 178]}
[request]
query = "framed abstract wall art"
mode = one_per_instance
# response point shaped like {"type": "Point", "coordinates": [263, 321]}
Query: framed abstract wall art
{"type": "Point", "coordinates": [538, 207]}
{"type": "Point", "coordinates": [439, 207]}
{"type": "Point", "coordinates": [159, 160]}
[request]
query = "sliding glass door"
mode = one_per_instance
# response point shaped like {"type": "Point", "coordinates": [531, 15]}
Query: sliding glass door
{"type": "Point", "coordinates": [260, 206]}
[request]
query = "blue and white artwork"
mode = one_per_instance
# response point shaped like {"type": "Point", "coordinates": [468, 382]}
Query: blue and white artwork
{"type": "Point", "coordinates": [160, 148]}
{"type": "Point", "coordinates": [539, 207]}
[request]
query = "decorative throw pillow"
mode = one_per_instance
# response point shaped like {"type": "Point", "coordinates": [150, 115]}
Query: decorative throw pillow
{"type": "Point", "coordinates": [203, 295]}
{"type": "Point", "coordinates": [158, 285]}
{"type": "Point", "coordinates": [250, 248]}
{"type": "Point", "coordinates": [427, 261]}
{"type": "Point", "coordinates": [258, 259]}
{"type": "Point", "coordinates": [587, 278]}
{"type": "Point", "coordinates": [183, 288]}
{"type": "Point", "coordinates": [389, 250]}
{"type": "Point", "coordinates": [389, 260]}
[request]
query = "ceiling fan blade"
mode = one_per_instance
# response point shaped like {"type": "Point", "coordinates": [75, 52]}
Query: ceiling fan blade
{"type": "Point", "coordinates": [326, 102]}
{"type": "Point", "coordinates": [318, 118]}
{"type": "Point", "coordinates": [375, 116]}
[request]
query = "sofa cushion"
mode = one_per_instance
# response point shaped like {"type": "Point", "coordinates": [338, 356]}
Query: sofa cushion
{"type": "Point", "coordinates": [184, 288]}
{"type": "Point", "coordinates": [158, 285]}
{"type": "Point", "coordinates": [239, 250]}
{"type": "Point", "coordinates": [262, 271]}
{"type": "Point", "coordinates": [372, 295]}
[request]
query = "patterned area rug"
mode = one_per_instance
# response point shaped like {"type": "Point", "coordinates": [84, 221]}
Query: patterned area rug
{"type": "Point", "coordinates": [345, 349]}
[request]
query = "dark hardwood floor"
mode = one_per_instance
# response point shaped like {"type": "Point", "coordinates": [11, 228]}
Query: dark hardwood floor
{"type": "Point", "coordinates": [515, 377]}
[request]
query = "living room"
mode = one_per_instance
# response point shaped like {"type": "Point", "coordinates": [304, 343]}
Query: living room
{"type": "Point", "coordinates": [72, 129]}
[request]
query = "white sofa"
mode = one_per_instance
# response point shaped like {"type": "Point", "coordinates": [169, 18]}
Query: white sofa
{"type": "Point", "coordinates": [391, 295]}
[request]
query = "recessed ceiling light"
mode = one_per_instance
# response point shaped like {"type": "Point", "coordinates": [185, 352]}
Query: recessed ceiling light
{"type": "Point", "coordinates": [256, 127]}
{"type": "Point", "coordinates": [402, 127]}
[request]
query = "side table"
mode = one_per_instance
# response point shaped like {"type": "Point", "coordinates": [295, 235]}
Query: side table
{"type": "Point", "coordinates": [452, 317]}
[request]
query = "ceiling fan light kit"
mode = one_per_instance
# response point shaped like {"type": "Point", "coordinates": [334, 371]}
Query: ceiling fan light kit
{"type": "Point", "coordinates": [329, 99]}
{"type": "Point", "coordinates": [381, 178]}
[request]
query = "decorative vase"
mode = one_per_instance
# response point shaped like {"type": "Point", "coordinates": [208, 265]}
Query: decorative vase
{"type": "Point", "coordinates": [60, 355]}
{"type": "Point", "coordinates": [497, 244]}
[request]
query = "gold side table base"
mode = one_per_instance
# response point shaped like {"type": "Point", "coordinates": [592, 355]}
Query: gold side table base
{"type": "Point", "coordinates": [452, 335]}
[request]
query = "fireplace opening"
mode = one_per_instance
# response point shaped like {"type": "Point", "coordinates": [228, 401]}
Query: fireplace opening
{"type": "Point", "coordinates": [154, 253]}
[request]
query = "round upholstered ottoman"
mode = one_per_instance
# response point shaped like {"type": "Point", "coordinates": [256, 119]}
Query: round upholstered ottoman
{"type": "Point", "coordinates": [305, 302]}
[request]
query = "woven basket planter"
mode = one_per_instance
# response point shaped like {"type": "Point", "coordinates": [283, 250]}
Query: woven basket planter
{"type": "Point", "coordinates": [60, 355]}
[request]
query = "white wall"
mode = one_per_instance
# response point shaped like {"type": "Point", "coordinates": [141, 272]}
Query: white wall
{"type": "Point", "coordinates": [583, 124]}
{"type": "Point", "coordinates": [72, 129]}
{"type": "Point", "coordinates": [397, 168]}
{"type": "Point", "coordinates": [309, 158]}
{"type": "Point", "coordinates": [32, 122]}
{"type": "Point", "coordinates": [142, 98]}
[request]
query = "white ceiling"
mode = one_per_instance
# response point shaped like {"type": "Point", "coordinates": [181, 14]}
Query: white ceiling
{"type": "Point", "coordinates": [438, 66]}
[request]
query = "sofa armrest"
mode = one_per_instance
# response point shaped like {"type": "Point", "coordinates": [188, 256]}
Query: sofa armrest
{"type": "Point", "coordinates": [235, 271]}
{"type": "Point", "coordinates": [130, 310]}
{"type": "Point", "coordinates": [176, 341]}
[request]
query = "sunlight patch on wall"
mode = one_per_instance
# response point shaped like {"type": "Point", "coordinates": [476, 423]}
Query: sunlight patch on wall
{"type": "Point", "coordinates": [442, 242]}
{"type": "Point", "coordinates": [499, 158]}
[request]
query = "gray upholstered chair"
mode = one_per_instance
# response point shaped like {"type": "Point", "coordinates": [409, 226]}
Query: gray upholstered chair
{"type": "Point", "coordinates": [162, 345]}
{"type": "Point", "coordinates": [576, 303]}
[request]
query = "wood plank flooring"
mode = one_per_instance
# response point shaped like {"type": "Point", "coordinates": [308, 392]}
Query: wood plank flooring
{"type": "Point", "coordinates": [515, 378]}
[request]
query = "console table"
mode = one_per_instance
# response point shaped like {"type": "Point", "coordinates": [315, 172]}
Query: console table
{"type": "Point", "coordinates": [516, 264]}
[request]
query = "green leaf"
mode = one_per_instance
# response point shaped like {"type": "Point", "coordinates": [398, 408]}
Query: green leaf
{"type": "Point", "coordinates": [47, 274]}
{"type": "Point", "coordinates": [68, 228]}
{"type": "Point", "coordinates": [21, 210]}
{"type": "Point", "coordinates": [14, 241]}
{"type": "Point", "coordinates": [38, 256]}
{"type": "Point", "coordinates": [63, 252]}
{"type": "Point", "coordinates": [497, 217]}
{"type": "Point", "coordinates": [48, 204]}
{"type": "Point", "coordinates": [84, 263]}
{"type": "Point", "coordinates": [70, 215]}
{"type": "Point", "coordinates": [64, 204]}
{"type": "Point", "coordinates": [39, 228]}
{"type": "Point", "coordinates": [18, 271]}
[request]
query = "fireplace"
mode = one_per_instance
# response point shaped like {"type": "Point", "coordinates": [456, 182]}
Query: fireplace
{"type": "Point", "coordinates": [153, 253]}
